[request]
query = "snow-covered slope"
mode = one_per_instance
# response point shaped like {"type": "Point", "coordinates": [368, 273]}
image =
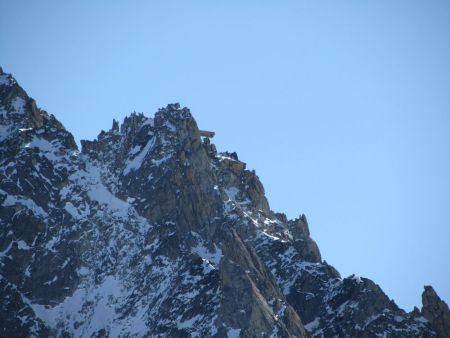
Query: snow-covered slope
{"type": "Point", "coordinates": [149, 232]}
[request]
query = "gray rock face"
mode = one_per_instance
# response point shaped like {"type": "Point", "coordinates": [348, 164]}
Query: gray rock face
{"type": "Point", "coordinates": [150, 232]}
{"type": "Point", "coordinates": [436, 311]}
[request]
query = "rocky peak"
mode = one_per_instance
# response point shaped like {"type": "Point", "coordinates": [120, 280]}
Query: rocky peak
{"type": "Point", "coordinates": [131, 124]}
{"type": "Point", "coordinates": [436, 311]}
{"type": "Point", "coordinates": [170, 170]}
{"type": "Point", "coordinates": [171, 126]}
{"type": "Point", "coordinates": [177, 125]}
{"type": "Point", "coordinates": [22, 122]}
{"type": "Point", "coordinates": [18, 109]}
{"type": "Point", "coordinates": [152, 232]}
{"type": "Point", "coordinates": [115, 126]}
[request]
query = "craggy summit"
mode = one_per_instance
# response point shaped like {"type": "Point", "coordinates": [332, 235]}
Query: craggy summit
{"type": "Point", "coordinates": [148, 231]}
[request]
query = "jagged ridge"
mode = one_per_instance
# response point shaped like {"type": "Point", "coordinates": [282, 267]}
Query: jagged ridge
{"type": "Point", "coordinates": [149, 231]}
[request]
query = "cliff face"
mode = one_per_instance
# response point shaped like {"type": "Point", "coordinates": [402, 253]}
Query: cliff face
{"type": "Point", "coordinates": [148, 231]}
{"type": "Point", "coordinates": [436, 311]}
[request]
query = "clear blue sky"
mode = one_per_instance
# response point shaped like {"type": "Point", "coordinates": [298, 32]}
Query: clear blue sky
{"type": "Point", "coordinates": [342, 107]}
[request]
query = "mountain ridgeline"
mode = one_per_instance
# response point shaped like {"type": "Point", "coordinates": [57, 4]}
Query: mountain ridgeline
{"type": "Point", "coordinates": [148, 231]}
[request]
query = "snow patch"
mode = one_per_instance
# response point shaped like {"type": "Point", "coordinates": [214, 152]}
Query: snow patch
{"type": "Point", "coordinates": [48, 149]}
{"type": "Point", "coordinates": [76, 213]}
{"type": "Point", "coordinates": [149, 122]}
{"type": "Point", "coordinates": [5, 131]}
{"type": "Point", "coordinates": [4, 80]}
{"type": "Point", "coordinates": [136, 162]}
{"type": "Point", "coordinates": [355, 278]}
{"type": "Point", "coordinates": [12, 200]}
{"type": "Point", "coordinates": [22, 245]}
{"type": "Point", "coordinates": [189, 322]}
{"type": "Point", "coordinates": [233, 333]}
{"type": "Point", "coordinates": [98, 192]}
{"type": "Point", "coordinates": [18, 105]}
{"type": "Point", "coordinates": [52, 281]}
{"type": "Point", "coordinates": [161, 160]}
{"type": "Point", "coordinates": [232, 193]}
{"type": "Point", "coordinates": [312, 326]}
{"type": "Point", "coordinates": [103, 299]}
{"type": "Point", "coordinates": [170, 126]}
{"type": "Point", "coordinates": [213, 258]}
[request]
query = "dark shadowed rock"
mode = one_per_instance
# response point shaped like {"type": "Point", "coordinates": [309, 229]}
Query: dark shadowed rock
{"type": "Point", "coordinates": [436, 311]}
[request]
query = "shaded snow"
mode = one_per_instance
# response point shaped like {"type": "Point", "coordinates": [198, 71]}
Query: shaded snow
{"type": "Point", "coordinates": [75, 212]}
{"type": "Point", "coordinates": [103, 300]}
{"type": "Point", "coordinates": [149, 122]}
{"type": "Point", "coordinates": [22, 245]}
{"type": "Point", "coordinates": [189, 322]}
{"type": "Point", "coordinates": [161, 160]}
{"type": "Point", "coordinates": [12, 200]}
{"type": "Point", "coordinates": [136, 162]}
{"type": "Point", "coordinates": [98, 192]}
{"type": "Point", "coordinates": [212, 258]}
{"type": "Point", "coordinates": [233, 333]}
{"type": "Point", "coordinates": [312, 326]}
{"type": "Point", "coordinates": [170, 126]}
{"type": "Point", "coordinates": [232, 192]}
{"type": "Point", "coordinates": [4, 80]}
{"type": "Point", "coordinates": [48, 149]}
{"type": "Point", "coordinates": [18, 105]}
{"type": "Point", "coordinates": [5, 131]}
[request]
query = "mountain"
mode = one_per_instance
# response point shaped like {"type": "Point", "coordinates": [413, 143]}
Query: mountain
{"type": "Point", "coordinates": [148, 231]}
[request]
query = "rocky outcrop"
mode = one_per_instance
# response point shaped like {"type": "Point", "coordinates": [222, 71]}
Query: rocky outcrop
{"type": "Point", "coordinates": [150, 232]}
{"type": "Point", "coordinates": [132, 226]}
{"type": "Point", "coordinates": [436, 311]}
